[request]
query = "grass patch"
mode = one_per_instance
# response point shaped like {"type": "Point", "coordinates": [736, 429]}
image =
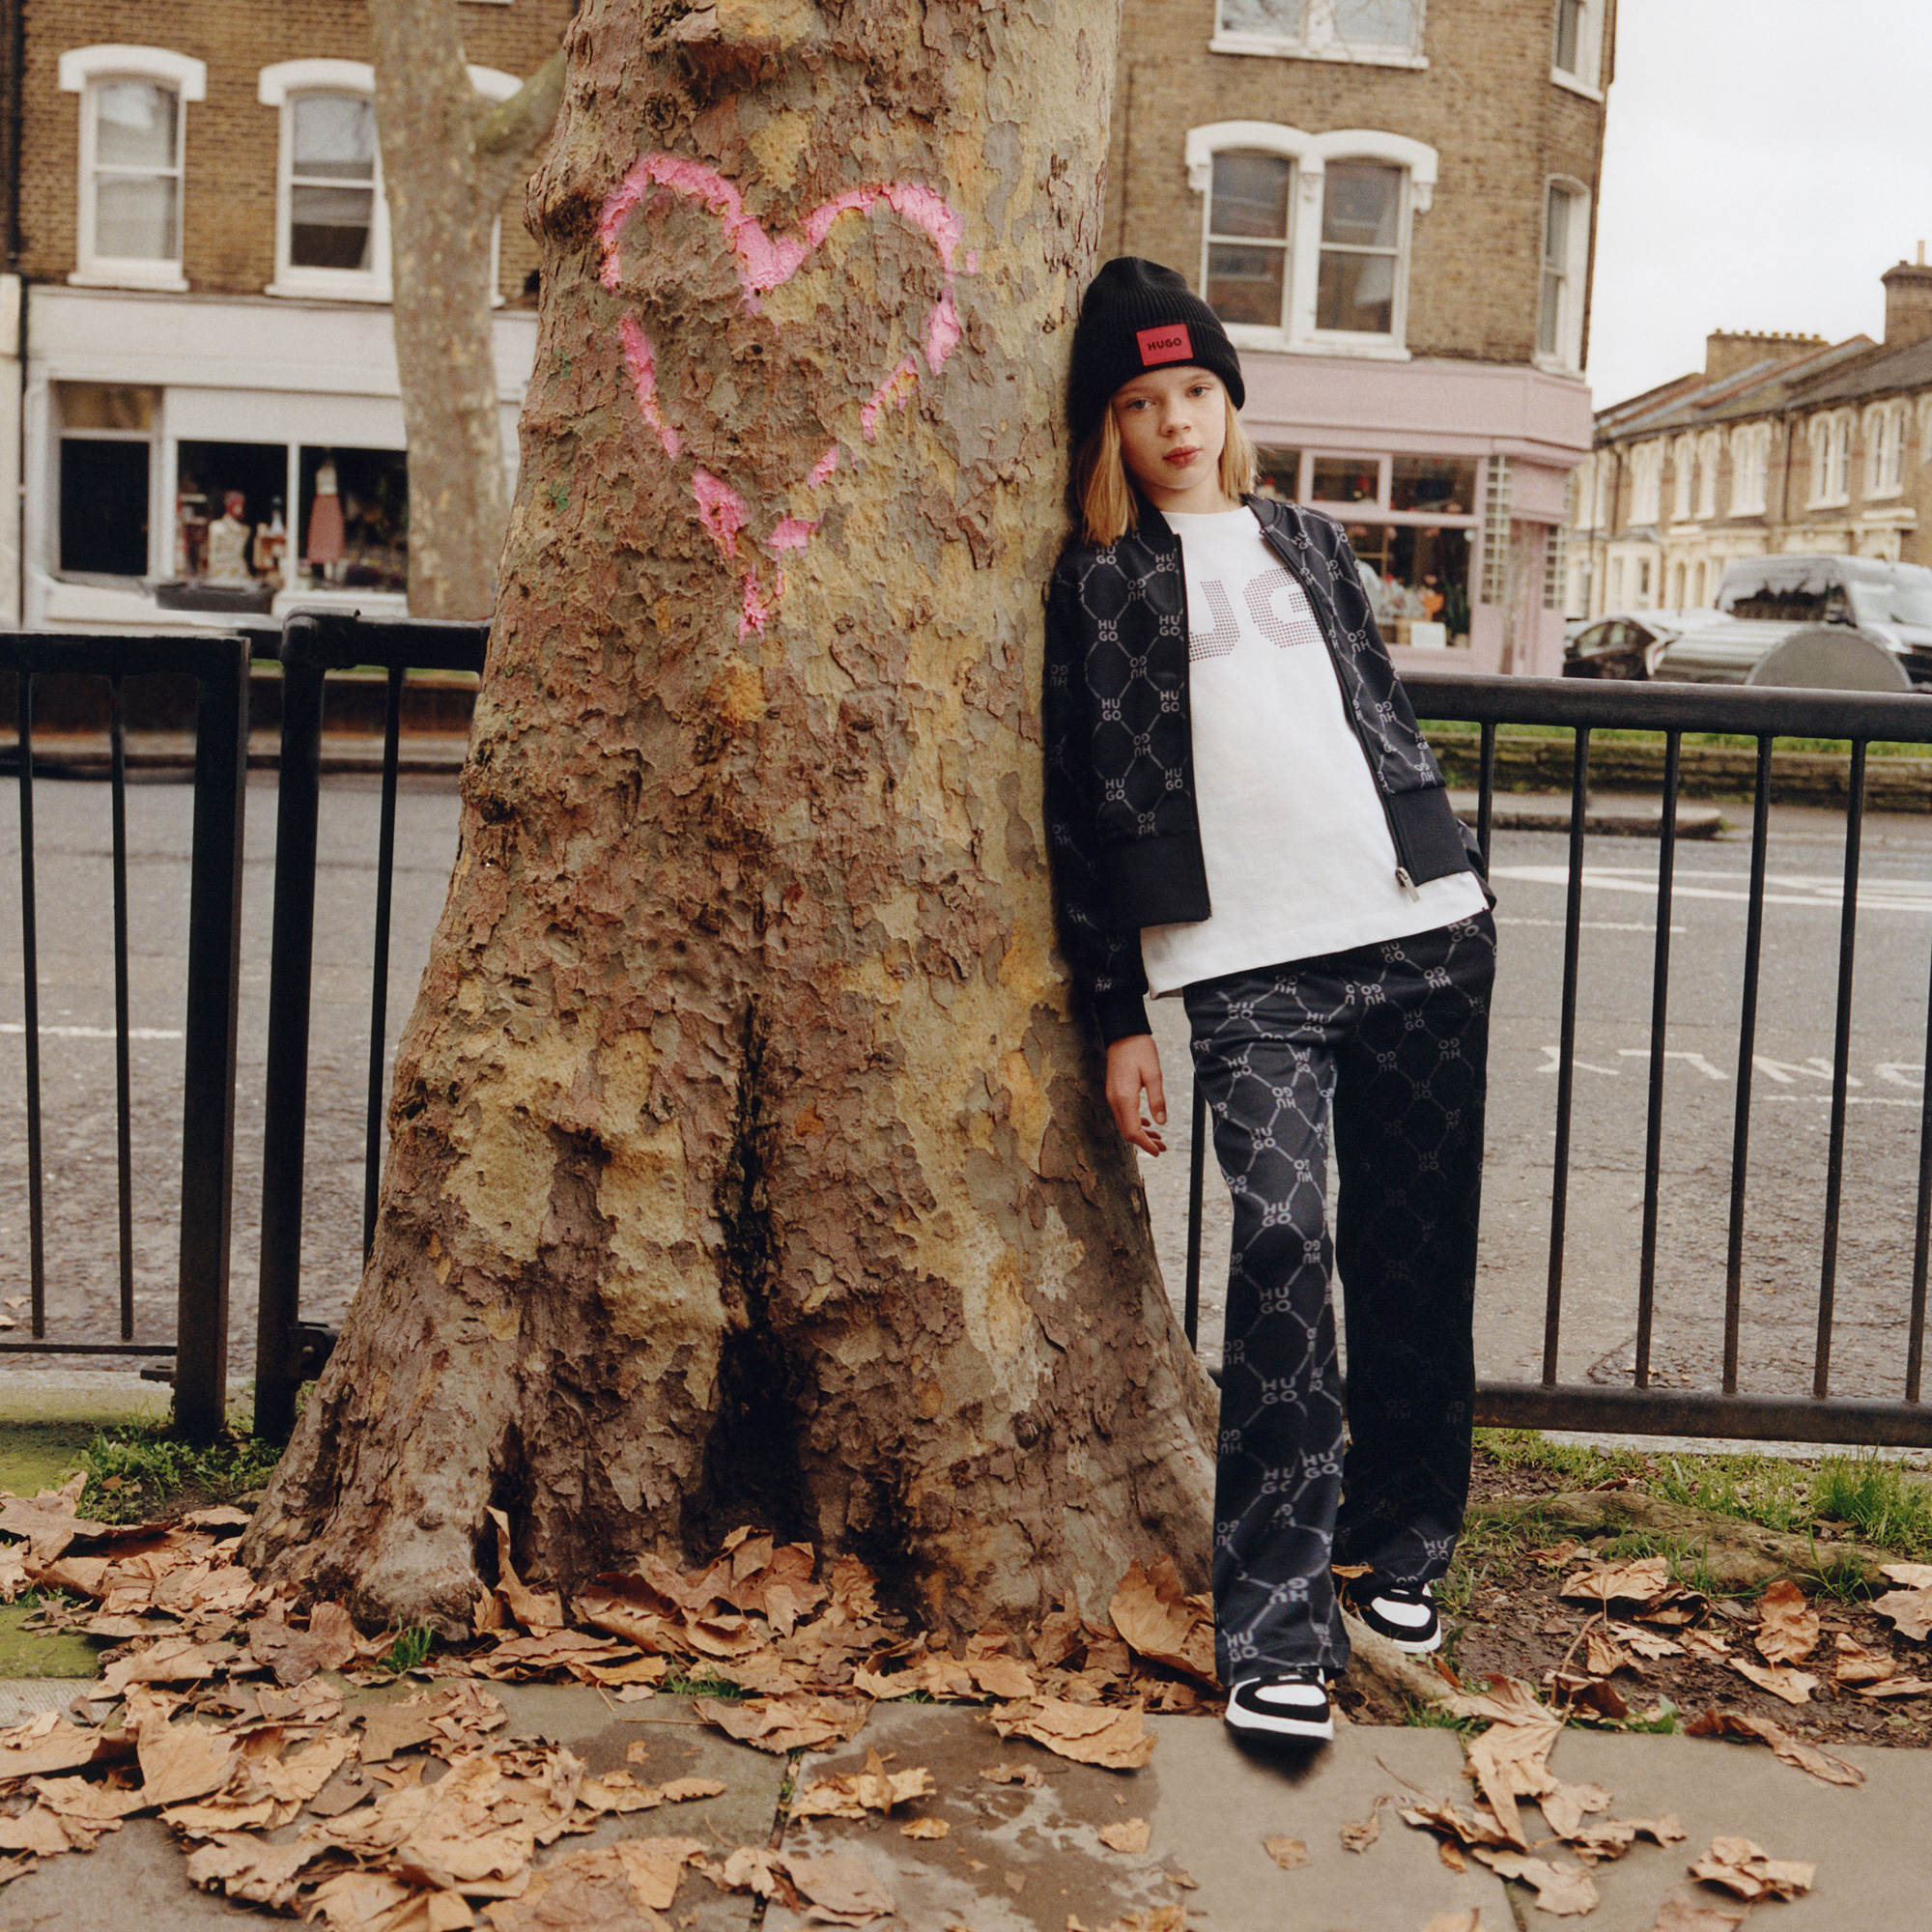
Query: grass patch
{"type": "Point", "coordinates": [1728, 741]}
{"type": "Point", "coordinates": [140, 1469]}
{"type": "Point", "coordinates": [1877, 1500]}
{"type": "Point", "coordinates": [411, 1650]}
{"type": "Point", "coordinates": [697, 1686]}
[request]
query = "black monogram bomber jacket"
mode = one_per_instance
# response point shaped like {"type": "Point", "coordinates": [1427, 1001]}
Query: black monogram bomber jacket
{"type": "Point", "coordinates": [1122, 830]}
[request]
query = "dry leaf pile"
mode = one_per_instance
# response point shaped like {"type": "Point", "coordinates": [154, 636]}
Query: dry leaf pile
{"type": "Point", "coordinates": [227, 1732]}
{"type": "Point", "coordinates": [1509, 1764]}
{"type": "Point", "coordinates": [1637, 1600]}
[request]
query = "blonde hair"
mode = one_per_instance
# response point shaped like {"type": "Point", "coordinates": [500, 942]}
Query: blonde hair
{"type": "Point", "coordinates": [1109, 505]}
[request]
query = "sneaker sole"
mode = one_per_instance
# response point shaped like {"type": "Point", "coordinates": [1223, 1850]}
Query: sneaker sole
{"type": "Point", "coordinates": [1316, 1729]}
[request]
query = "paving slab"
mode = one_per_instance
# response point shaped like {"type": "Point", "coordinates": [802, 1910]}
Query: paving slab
{"type": "Point", "coordinates": [136, 1876]}
{"type": "Point", "coordinates": [1020, 1860]}
{"type": "Point", "coordinates": [1870, 1842]}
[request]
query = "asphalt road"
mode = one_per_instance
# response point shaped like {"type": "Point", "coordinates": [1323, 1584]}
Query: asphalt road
{"type": "Point", "coordinates": [1790, 1114]}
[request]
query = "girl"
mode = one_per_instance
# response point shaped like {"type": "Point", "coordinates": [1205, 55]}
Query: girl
{"type": "Point", "coordinates": [1241, 811]}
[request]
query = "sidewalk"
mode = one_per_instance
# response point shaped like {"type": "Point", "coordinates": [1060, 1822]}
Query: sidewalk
{"type": "Point", "coordinates": [1019, 1857]}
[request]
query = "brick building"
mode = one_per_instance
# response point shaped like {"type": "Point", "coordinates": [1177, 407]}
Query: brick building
{"type": "Point", "coordinates": [1392, 205]}
{"type": "Point", "coordinates": [1780, 443]}
{"type": "Point", "coordinates": [210, 415]}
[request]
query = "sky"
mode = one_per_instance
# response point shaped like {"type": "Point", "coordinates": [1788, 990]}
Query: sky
{"type": "Point", "coordinates": [1765, 162]}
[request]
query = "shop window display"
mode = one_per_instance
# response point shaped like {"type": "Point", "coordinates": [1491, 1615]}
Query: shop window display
{"type": "Point", "coordinates": [1412, 521]}
{"type": "Point", "coordinates": [231, 536]}
{"type": "Point", "coordinates": [354, 520]}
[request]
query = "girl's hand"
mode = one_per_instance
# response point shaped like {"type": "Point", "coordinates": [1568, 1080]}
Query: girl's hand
{"type": "Point", "coordinates": [1133, 1066]}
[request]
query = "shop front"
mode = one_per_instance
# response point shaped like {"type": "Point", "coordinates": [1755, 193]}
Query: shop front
{"type": "Point", "coordinates": [201, 459]}
{"type": "Point", "coordinates": [1450, 479]}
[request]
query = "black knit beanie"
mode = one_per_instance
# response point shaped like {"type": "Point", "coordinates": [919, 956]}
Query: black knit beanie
{"type": "Point", "coordinates": [1134, 317]}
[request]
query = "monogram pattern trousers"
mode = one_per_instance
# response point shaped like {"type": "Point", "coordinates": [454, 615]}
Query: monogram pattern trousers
{"type": "Point", "coordinates": [1381, 1048]}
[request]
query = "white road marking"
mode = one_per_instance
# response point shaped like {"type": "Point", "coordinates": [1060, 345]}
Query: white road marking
{"type": "Point", "coordinates": [1594, 925]}
{"type": "Point", "coordinates": [1799, 888]}
{"type": "Point", "coordinates": [93, 1032]}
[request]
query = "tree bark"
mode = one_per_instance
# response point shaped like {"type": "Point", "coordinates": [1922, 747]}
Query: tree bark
{"type": "Point", "coordinates": [449, 157]}
{"type": "Point", "coordinates": [748, 1162]}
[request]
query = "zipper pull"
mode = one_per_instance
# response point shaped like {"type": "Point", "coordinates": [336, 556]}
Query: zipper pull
{"type": "Point", "coordinates": [1407, 884]}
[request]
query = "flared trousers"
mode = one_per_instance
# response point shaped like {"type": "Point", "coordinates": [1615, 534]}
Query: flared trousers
{"type": "Point", "coordinates": [1380, 1049]}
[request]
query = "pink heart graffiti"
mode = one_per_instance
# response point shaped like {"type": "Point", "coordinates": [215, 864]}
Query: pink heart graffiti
{"type": "Point", "coordinates": [763, 263]}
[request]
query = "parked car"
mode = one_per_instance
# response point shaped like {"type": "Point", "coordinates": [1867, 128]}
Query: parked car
{"type": "Point", "coordinates": [1889, 601]}
{"type": "Point", "coordinates": [1627, 643]}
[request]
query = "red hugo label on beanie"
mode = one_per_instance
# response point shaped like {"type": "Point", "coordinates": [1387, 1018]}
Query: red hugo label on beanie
{"type": "Point", "coordinates": [1168, 343]}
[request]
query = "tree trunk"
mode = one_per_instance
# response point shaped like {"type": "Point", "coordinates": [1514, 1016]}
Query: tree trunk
{"type": "Point", "coordinates": [748, 1163]}
{"type": "Point", "coordinates": [448, 160]}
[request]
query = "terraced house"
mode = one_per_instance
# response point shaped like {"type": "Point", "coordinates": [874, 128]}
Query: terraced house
{"type": "Point", "coordinates": [1392, 205]}
{"type": "Point", "coordinates": [1780, 443]}
{"type": "Point", "coordinates": [209, 412]}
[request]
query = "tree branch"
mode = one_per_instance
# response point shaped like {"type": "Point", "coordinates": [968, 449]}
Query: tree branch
{"type": "Point", "coordinates": [511, 131]}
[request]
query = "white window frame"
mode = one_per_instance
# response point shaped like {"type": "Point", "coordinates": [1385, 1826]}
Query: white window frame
{"type": "Point", "coordinates": [80, 70]}
{"type": "Point", "coordinates": [1831, 434]}
{"type": "Point", "coordinates": [1710, 452]}
{"type": "Point", "coordinates": [1751, 469]}
{"type": "Point", "coordinates": [279, 87]}
{"type": "Point", "coordinates": [1568, 358]}
{"type": "Point", "coordinates": [1319, 40]}
{"type": "Point", "coordinates": [1683, 461]}
{"type": "Point", "coordinates": [1646, 461]}
{"type": "Point", "coordinates": [1311, 155]}
{"type": "Point", "coordinates": [1586, 76]}
{"type": "Point", "coordinates": [1884, 449]}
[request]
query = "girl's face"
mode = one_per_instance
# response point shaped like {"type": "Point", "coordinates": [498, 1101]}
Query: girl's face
{"type": "Point", "coordinates": [1173, 424]}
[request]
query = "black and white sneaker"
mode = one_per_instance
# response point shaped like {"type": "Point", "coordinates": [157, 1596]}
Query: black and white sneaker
{"type": "Point", "coordinates": [1281, 1704]}
{"type": "Point", "coordinates": [1403, 1612]}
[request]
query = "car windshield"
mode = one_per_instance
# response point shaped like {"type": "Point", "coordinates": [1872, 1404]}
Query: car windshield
{"type": "Point", "coordinates": [1894, 604]}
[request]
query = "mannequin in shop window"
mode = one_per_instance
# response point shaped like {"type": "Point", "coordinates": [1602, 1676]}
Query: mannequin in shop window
{"type": "Point", "coordinates": [325, 547]}
{"type": "Point", "coordinates": [228, 542]}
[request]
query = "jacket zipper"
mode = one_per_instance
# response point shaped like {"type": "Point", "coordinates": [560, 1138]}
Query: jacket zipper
{"type": "Point", "coordinates": [1401, 878]}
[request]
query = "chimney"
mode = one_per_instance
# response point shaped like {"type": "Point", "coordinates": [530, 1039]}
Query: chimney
{"type": "Point", "coordinates": [1908, 303]}
{"type": "Point", "coordinates": [1731, 352]}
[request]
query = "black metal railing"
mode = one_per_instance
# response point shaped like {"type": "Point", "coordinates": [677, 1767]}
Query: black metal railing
{"type": "Point", "coordinates": [287, 1350]}
{"type": "Point", "coordinates": [1645, 1408]}
{"type": "Point", "coordinates": [219, 668]}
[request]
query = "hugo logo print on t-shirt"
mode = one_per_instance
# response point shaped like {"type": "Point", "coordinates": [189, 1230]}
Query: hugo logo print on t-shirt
{"type": "Point", "coordinates": [1295, 624]}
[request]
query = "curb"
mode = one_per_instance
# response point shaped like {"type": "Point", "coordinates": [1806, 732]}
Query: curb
{"type": "Point", "coordinates": [1552, 814]}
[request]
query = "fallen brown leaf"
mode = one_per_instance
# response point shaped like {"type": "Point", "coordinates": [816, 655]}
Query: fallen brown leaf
{"type": "Point", "coordinates": [1565, 1891]}
{"type": "Point", "coordinates": [1898, 1686]}
{"type": "Point", "coordinates": [1161, 1622]}
{"type": "Point", "coordinates": [1130, 1834]}
{"type": "Point", "coordinates": [1781, 1679]}
{"type": "Point", "coordinates": [925, 1828]}
{"type": "Point", "coordinates": [1680, 1915]}
{"type": "Point", "coordinates": [1117, 1740]}
{"type": "Point", "coordinates": [1289, 1853]}
{"type": "Point", "coordinates": [1602, 1653]}
{"type": "Point", "coordinates": [1566, 1805]}
{"type": "Point", "coordinates": [1360, 1837]}
{"type": "Point", "coordinates": [1646, 1642]}
{"type": "Point", "coordinates": [1858, 1665]}
{"type": "Point", "coordinates": [780, 1724]}
{"type": "Point", "coordinates": [1909, 1610]}
{"type": "Point", "coordinates": [853, 1794]}
{"type": "Point", "coordinates": [1028, 1775]}
{"type": "Point", "coordinates": [1747, 1869]}
{"type": "Point", "coordinates": [842, 1890]}
{"type": "Point", "coordinates": [1911, 1576]}
{"type": "Point", "coordinates": [1788, 1626]}
{"type": "Point", "coordinates": [1792, 1750]}
{"type": "Point", "coordinates": [1162, 1919]}
{"type": "Point", "coordinates": [1552, 1554]}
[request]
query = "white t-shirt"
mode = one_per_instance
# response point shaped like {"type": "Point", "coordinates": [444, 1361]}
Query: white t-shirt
{"type": "Point", "coordinates": [1297, 849]}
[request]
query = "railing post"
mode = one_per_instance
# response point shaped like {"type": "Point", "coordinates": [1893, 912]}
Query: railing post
{"type": "Point", "coordinates": [208, 1107]}
{"type": "Point", "coordinates": [285, 1113]}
